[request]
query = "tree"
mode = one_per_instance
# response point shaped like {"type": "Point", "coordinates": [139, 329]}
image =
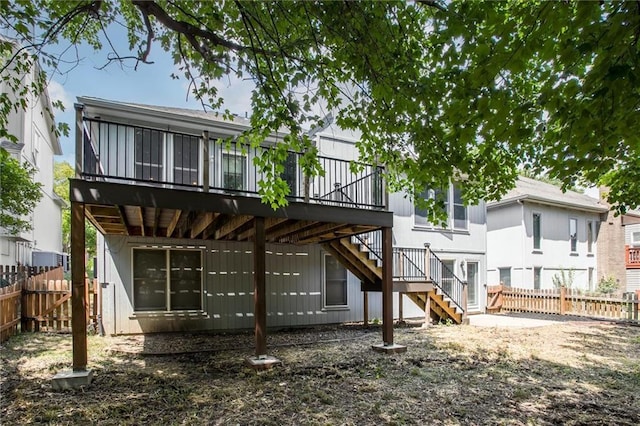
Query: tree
{"type": "Point", "coordinates": [19, 194]}
{"type": "Point", "coordinates": [462, 90]}
{"type": "Point", "coordinates": [62, 172]}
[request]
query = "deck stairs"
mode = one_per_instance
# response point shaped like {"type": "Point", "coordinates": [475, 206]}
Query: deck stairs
{"type": "Point", "coordinates": [417, 272]}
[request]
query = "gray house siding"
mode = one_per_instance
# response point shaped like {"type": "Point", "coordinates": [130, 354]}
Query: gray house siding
{"type": "Point", "coordinates": [295, 288]}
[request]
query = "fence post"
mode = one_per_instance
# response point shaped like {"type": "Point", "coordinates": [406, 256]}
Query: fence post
{"type": "Point", "coordinates": [465, 298]}
{"type": "Point", "coordinates": [427, 260]}
{"type": "Point", "coordinates": [636, 302]}
{"type": "Point", "coordinates": [563, 295]}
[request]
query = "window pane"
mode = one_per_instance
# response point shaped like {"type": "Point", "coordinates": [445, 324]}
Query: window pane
{"type": "Point", "coordinates": [185, 159]}
{"type": "Point", "coordinates": [537, 272]}
{"type": "Point", "coordinates": [536, 231]}
{"type": "Point", "coordinates": [336, 283]}
{"type": "Point", "coordinates": [149, 280]}
{"type": "Point", "coordinates": [233, 171]}
{"type": "Point", "coordinates": [290, 173]}
{"type": "Point", "coordinates": [472, 283]}
{"type": "Point", "coordinates": [573, 234]}
{"type": "Point", "coordinates": [148, 154]}
{"type": "Point", "coordinates": [589, 237]}
{"type": "Point", "coordinates": [505, 276]}
{"type": "Point", "coordinates": [186, 279]}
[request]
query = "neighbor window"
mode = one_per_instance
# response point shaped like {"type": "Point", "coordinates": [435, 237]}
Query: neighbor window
{"type": "Point", "coordinates": [635, 238]}
{"type": "Point", "coordinates": [537, 277]}
{"type": "Point", "coordinates": [590, 279]}
{"type": "Point", "coordinates": [573, 234]}
{"type": "Point", "coordinates": [186, 151]}
{"type": "Point", "coordinates": [167, 280]}
{"type": "Point", "coordinates": [537, 234]}
{"type": "Point", "coordinates": [149, 154]}
{"type": "Point", "coordinates": [505, 276]}
{"type": "Point", "coordinates": [234, 170]}
{"type": "Point", "coordinates": [456, 211]}
{"type": "Point", "coordinates": [335, 286]}
{"type": "Point", "coordinates": [472, 283]}
{"type": "Point", "coordinates": [591, 233]}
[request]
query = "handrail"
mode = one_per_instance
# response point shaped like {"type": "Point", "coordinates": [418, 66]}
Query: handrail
{"type": "Point", "coordinates": [440, 272]}
{"type": "Point", "coordinates": [126, 153]}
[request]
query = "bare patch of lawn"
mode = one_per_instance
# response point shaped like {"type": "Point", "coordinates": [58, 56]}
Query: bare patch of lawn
{"type": "Point", "coordinates": [571, 373]}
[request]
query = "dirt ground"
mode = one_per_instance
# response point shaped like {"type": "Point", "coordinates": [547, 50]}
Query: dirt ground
{"type": "Point", "coordinates": [576, 373]}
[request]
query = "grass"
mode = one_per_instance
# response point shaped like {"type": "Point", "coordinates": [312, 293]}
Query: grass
{"type": "Point", "coordinates": [573, 373]}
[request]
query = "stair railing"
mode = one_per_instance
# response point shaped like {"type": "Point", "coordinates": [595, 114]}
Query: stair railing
{"type": "Point", "coordinates": [447, 282]}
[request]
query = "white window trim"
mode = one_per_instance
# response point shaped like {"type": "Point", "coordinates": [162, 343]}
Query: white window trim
{"type": "Point", "coordinates": [574, 252]}
{"type": "Point", "coordinates": [450, 216]}
{"type": "Point", "coordinates": [539, 249]}
{"type": "Point", "coordinates": [167, 284]}
{"type": "Point", "coordinates": [233, 151]}
{"type": "Point", "coordinates": [326, 307]}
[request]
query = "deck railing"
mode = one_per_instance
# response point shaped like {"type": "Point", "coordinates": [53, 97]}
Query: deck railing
{"type": "Point", "coordinates": [139, 155]}
{"type": "Point", "coordinates": [632, 257]}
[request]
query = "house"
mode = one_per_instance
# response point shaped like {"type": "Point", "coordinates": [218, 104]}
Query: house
{"type": "Point", "coordinates": [37, 145]}
{"type": "Point", "coordinates": [185, 242]}
{"type": "Point", "coordinates": [619, 243]}
{"type": "Point", "coordinates": [537, 232]}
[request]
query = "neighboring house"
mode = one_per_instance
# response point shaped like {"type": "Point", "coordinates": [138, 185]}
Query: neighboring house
{"type": "Point", "coordinates": [182, 231]}
{"type": "Point", "coordinates": [37, 145]}
{"type": "Point", "coordinates": [536, 232]}
{"type": "Point", "coordinates": [619, 248]}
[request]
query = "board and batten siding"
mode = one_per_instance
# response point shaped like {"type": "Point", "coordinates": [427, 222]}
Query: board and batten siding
{"type": "Point", "coordinates": [294, 284]}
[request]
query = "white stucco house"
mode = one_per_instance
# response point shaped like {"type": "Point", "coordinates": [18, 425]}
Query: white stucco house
{"type": "Point", "coordinates": [37, 145]}
{"type": "Point", "coordinates": [536, 232]}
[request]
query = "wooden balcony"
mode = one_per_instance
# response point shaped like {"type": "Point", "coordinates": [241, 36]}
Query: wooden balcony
{"type": "Point", "coordinates": [632, 257]}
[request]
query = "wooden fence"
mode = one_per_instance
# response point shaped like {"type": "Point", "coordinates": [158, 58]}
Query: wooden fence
{"type": "Point", "coordinates": [561, 301]}
{"type": "Point", "coordinates": [42, 303]}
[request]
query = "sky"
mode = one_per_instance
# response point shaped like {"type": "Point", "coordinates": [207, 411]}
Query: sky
{"type": "Point", "coordinates": [149, 84]}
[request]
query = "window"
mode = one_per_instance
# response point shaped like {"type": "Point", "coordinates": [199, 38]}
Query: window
{"type": "Point", "coordinates": [185, 159]}
{"type": "Point", "coordinates": [448, 276]}
{"type": "Point", "coordinates": [335, 286]}
{"type": "Point", "coordinates": [234, 170]}
{"type": "Point", "coordinates": [537, 234]}
{"type": "Point", "coordinates": [537, 277]}
{"type": "Point", "coordinates": [591, 232]}
{"type": "Point", "coordinates": [290, 173]}
{"type": "Point", "coordinates": [635, 239]}
{"type": "Point", "coordinates": [167, 280]}
{"type": "Point", "coordinates": [472, 282]}
{"type": "Point", "coordinates": [459, 210]}
{"type": "Point", "coordinates": [573, 234]}
{"type": "Point", "coordinates": [590, 279]}
{"type": "Point", "coordinates": [456, 210]}
{"type": "Point", "coordinates": [149, 154]}
{"type": "Point", "coordinates": [505, 276]}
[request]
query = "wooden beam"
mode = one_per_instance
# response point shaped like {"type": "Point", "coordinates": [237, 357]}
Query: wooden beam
{"type": "Point", "coordinates": [174, 222]}
{"type": "Point", "coordinates": [362, 256]}
{"type": "Point", "coordinates": [387, 286]}
{"type": "Point", "coordinates": [351, 262]}
{"type": "Point", "coordinates": [139, 211]}
{"type": "Point", "coordinates": [78, 288]}
{"type": "Point", "coordinates": [259, 281]}
{"type": "Point", "coordinates": [269, 223]}
{"type": "Point", "coordinates": [123, 217]}
{"type": "Point", "coordinates": [288, 229]}
{"type": "Point", "coordinates": [156, 219]}
{"type": "Point", "coordinates": [202, 221]}
{"type": "Point", "coordinates": [183, 224]}
{"type": "Point", "coordinates": [231, 226]}
{"type": "Point", "coordinates": [94, 221]}
{"type": "Point", "coordinates": [321, 229]}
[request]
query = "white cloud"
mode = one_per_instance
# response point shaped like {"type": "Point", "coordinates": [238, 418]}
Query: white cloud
{"type": "Point", "coordinates": [57, 92]}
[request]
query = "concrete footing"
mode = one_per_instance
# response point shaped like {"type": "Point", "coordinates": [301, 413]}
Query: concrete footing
{"type": "Point", "coordinates": [389, 349]}
{"type": "Point", "coordinates": [69, 379]}
{"type": "Point", "coordinates": [263, 362]}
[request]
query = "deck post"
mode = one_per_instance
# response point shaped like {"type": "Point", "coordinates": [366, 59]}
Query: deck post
{"type": "Point", "coordinates": [400, 308]}
{"type": "Point", "coordinates": [427, 260]}
{"type": "Point", "coordinates": [465, 302]}
{"type": "Point", "coordinates": [205, 161]}
{"type": "Point", "coordinates": [261, 360]}
{"type": "Point", "coordinates": [79, 139]}
{"type": "Point", "coordinates": [427, 309]}
{"type": "Point", "coordinates": [365, 308]}
{"type": "Point", "coordinates": [79, 376]}
{"type": "Point", "coordinates": [387, 295]}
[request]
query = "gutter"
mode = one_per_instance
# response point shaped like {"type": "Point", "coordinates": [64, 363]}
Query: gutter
{"type": "Point", "coordinates": [545, 201]}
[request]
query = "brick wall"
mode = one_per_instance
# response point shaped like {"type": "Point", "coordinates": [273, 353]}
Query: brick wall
{"type": "Point", "coordinates": [610, 259]}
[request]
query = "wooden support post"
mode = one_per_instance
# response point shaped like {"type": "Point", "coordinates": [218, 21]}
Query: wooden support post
{"type": "Point", "coordinates": [365, 309]}
{"type": "Point", "coordinates": [79, 140]}
{"type": "Point", "coordinates": [78, 288]}
{"type": "Point", "coordinates": [259, 296]}
{"type": "Point", "coordinates": [427, 261]}
{"type": "Point", "coordinates": [465, 302]}
{"type": "Point", "coordinates": [427, 309]}
{"type": "Point", "coordinates": [205, 160]}
{"type": "Point", "coordinates": [387, 287]}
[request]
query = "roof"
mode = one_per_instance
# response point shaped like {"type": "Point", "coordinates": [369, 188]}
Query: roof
{"type": "Point", "coordinates": [535, 191]}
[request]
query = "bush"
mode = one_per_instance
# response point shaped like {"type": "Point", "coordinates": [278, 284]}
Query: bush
{"type": "Point", "coordinates": [564, 279]}
{"type": "Point", "coordinates": [607, 285]}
